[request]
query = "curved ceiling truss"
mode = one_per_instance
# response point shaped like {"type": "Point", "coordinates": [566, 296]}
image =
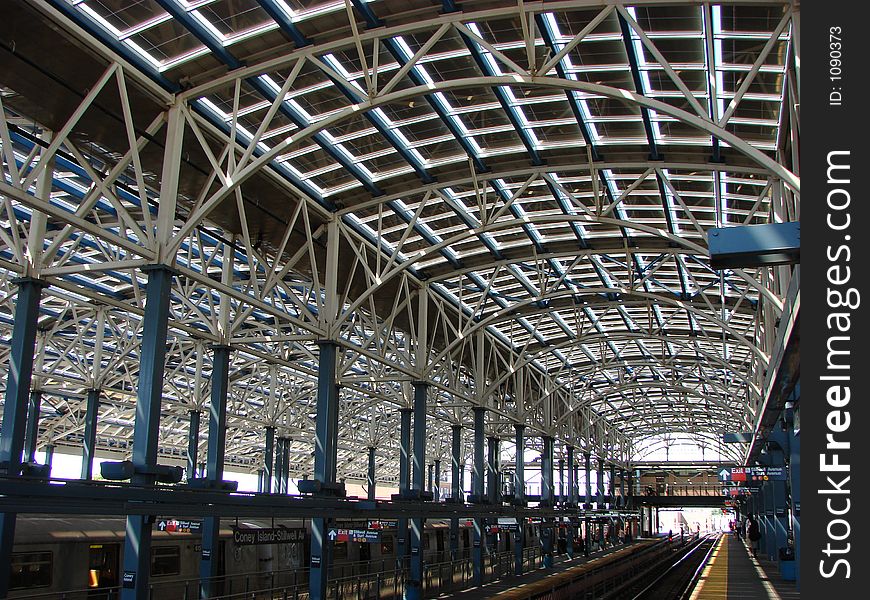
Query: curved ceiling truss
{"type": "Point", "coordinates": [508, 201]}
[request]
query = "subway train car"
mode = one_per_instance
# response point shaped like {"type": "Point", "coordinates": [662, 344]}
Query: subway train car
{"type": "Point", "coordinates": [84, 555]}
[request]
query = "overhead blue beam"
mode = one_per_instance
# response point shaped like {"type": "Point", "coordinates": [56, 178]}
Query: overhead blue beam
{"type": "Point", "coordinates": [672, 229]}
{"type": "Point", "coordinates": [368, 14]}
{"type": "Point", "coordinates": [325, 144]}
{"type": "Point", "coordinates": [284, 22]}
{"type": "Point", "coordinates": [206, 37]}
{"type": "Point", "coordinates": [503, 99]}
{"type": "Point", "coordinates": [638, 85]}
{"type": "Point", "coordinates": [372, 117]}
{"type": "Point", "coordinates": [200, 32]}
{"type": "Point", "coordinates": [394, 49]}
{"type": "Point", "coordinates": [95, 29]}
{"type": "Point", "coordinates": [573, 102]}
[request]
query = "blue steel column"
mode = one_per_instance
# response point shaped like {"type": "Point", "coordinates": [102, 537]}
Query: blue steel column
{"type": "Point", "coordinates": [547, 472]}
{"type": "Point", "coordinates": [436, 491]}
{"type": "Point", "coordinates": [268, 459]}
{"type": "Point", "coordinates": [794, 473]}
{"type": "Point", "coordinates": [285, 466]}
{"type": "Point", "coordinates": [414, 586]}
{"type": "Point", "coordinates": [456, 494]}
{"type": "Point", "coordinates": [279, 464]}
{"type": "Point", "coordinates": [430, 481]}
{"type": "Point", "coordinates": [49, 456]}
{"type": "Point", "coordinates": [599, 504]}
{"type": "Point", "coordinates": [152, 357]}
{"type": "Point", "coordinates": [611, 486]}
{"type": "Point", "coordinates": [89, 443]}
{"type": "Point", "coordinates": [217, 431]}
{"type": "Point", "coordinates": [769, 531]}
{"type": "Point", "coordinates": [777, 513]}
{"type": "Point", "coordinates": [403, 545]}
{"type": "Point", "coordinates": [15, 405]}
{"type": "Point", "coordinates": [557, 533]}
{"type": "Point", "coordinates": [599, 485]}
{"type": "Point", "coordinates": [612, 489]}
{"type": "Point", "coordinates": [332, 465]}
{"type": "Point", "coordinates": [572, 501]}
{"type": "Point", "coordinates": [572, 481]}
{"type": "Point", "coordinates": [325, 440]}
{"type": "Point", "coordinates": [192, 444]}
{"type": "Point", "coordinates": [547, 532]}
{"type": "Point", "coordinates": [492, 491]}
{"type": "Point", "coordinates": [587, 538]}
{"type": "Point", "coordinates": [31, 436]}
{"type": "Point", "coordinates": [519, 497]}
{"type": "Point", "coordinates": [477, 485]}
{"type": "Point", "coordinates": [370, 480]}
{"type": "Point", "coordinates": [780, 505]}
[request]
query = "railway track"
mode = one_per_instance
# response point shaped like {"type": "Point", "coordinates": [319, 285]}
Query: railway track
{"type": "Point", "coordinates": [675, 577]}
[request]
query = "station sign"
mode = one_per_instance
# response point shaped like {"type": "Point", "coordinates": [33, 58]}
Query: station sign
{"type": "Point", "coordinates": [366, 536]}
{"type": "Point", "coordinates": [752, 474]}
{"type": "Point", "coordinates": [179, 526]}
{"type": "Point", "coordinates": [493, 529]}
{"type": "Point", "coordinates": [268, 535]}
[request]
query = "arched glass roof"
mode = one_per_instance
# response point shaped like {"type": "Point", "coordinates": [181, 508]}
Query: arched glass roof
{"type": "Point", "coordinates": [544, 175]}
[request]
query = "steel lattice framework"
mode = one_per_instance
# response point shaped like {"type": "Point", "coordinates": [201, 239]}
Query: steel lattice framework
{"type": "Point", "coordinates": [507, 200]}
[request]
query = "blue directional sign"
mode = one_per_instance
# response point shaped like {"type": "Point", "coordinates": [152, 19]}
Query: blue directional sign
{"type": "Point", "coordinates": [365, 536]}
{"type": "Point", "coordinates": [752, 474]}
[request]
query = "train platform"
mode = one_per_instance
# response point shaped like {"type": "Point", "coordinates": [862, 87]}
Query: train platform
{"type": "Point", "coordinates": [733, 574]}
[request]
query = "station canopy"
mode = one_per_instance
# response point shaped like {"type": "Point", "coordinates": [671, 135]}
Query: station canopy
{"type": "Point", "coordinates": [507, 200]}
